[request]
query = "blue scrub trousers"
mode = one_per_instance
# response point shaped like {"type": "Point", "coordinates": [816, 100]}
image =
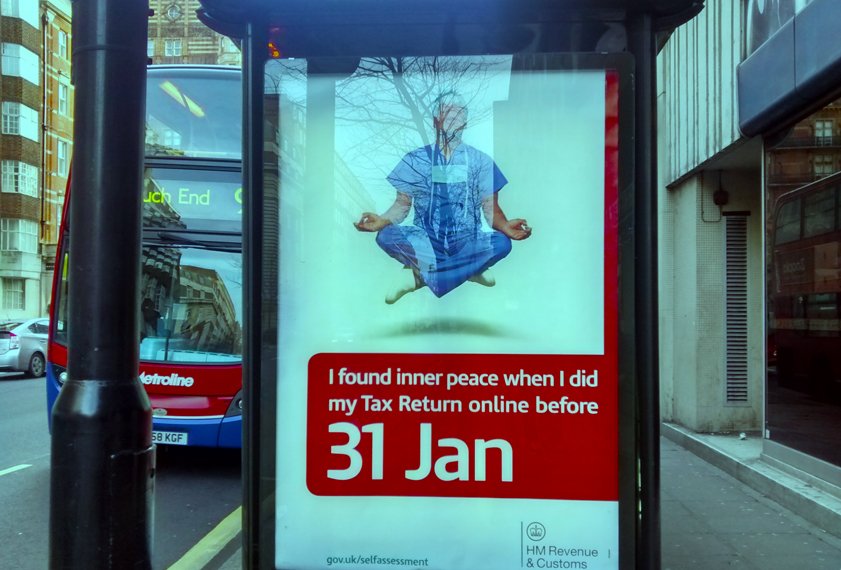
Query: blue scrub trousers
{"type": "Point", "coordinates": [446, 262]}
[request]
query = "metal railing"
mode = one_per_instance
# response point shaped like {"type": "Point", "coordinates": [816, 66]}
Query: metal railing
{"type": "Point", "coordinates": [810, 141]}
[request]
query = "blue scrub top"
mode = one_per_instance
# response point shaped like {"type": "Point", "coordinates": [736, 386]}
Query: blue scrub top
{"type": "Point", "coordinates": [447, 194]}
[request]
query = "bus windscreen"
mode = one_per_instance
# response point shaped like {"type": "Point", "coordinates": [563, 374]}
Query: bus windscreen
{"type": "Point", "coordinates": [191, 285]}
{"type": "Point", "coordinates": [193, 114]}
{"type": "Point", "coordinates": [190, 309]}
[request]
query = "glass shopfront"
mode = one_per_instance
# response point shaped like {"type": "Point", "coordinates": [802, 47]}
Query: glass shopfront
{"type": "Point", "coordinates": [803, 261]}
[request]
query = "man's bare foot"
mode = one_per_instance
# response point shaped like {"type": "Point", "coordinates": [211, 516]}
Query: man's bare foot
{"type": "Point", "coordinates": [405, 282]}
{"type": "Point", "coordinates": [484, 278]}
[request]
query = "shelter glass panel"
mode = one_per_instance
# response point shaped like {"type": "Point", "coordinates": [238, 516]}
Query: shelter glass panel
{"type": "Point", "coordinates": [804, 288]}
{"type": "Point", "coordinates": [424, 211]}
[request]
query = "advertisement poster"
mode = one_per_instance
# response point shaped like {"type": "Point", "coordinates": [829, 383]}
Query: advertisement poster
{"type": "Point", "coordinates": [447, 371]}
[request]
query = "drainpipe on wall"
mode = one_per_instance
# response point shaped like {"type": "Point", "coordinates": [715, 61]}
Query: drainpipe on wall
{"type": "Point", "coordinates": [46, 19]}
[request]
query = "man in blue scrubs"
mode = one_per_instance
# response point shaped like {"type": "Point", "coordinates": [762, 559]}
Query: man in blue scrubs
{"type": "Point", "coordinates": [452, 187]}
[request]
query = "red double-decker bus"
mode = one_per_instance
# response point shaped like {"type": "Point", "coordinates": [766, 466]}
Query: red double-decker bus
{"type": "Point", "coordinates": [190, 340]}
{"type": "Point", "coordinates": [805, 297]}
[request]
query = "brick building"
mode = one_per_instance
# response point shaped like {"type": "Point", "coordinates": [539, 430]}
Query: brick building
{"type": "Point", "coordinates": [36, 143]}
{"type": "Point", "coordinates": [750, 231]}
{"type": "Point", "coordinates": [177, 36]}
{"type": "Point", "coordinates": [57, 143]}
{"type": "Point", "coordinates": [25, 31]}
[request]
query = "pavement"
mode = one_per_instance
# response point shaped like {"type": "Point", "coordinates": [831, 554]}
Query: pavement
{"type": "Point", "coordinates": [723, 506]}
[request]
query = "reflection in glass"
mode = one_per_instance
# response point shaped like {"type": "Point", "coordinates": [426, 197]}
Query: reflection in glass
{"type": "Point", "coordinates": [190, 305]}
{"type": "Point", "coordinates": [191, 285]}
{"type": "Point", "coordinates": [191, 281]}
{"type": "Point", "coordinates": [788, 222]}
{"type": "Point", "coordinates": [193, 113]}
{"type": "Point", "coordinates": [764, 17]}
{"type": "Point", "coordinates": [178, 199]}
{"type": "Point", "coordinates": [819, 213]}
{"type": "Point", "coordinates": [804, 287]}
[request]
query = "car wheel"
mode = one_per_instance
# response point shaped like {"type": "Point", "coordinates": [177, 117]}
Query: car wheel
{"type": "Point", "coordinates": [37, 366]}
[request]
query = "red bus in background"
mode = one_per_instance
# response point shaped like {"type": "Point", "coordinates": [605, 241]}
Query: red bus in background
{"type": "Point", "coordinates": [190, 302]}
{"type": "Point", "coordinates": [804, 325]}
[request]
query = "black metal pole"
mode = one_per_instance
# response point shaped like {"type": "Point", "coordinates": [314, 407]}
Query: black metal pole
{"type": "Point", "coordinates": [102, 476]}
{"type": "Point", "coordinates": [642, 44]}
{"type": "Point", "coordinates": [257, 520]}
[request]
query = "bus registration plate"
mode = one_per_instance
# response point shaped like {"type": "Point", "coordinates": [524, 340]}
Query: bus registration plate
{"type": "Point", "coordinates": [169, 437]}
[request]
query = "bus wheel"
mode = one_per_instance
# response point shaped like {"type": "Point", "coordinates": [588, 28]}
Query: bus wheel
{"type": "Point", "coordinates": [36, 365]}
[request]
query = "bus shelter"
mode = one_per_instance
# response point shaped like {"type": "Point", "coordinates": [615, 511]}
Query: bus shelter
{"type": "Point", "coordinates": [450, 282]}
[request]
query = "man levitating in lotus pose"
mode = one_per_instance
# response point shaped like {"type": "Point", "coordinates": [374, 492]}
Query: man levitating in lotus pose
{"type": "Point", "coordinates": [450, 185]}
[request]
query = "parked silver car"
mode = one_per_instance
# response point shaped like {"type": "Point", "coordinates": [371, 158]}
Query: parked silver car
{"type": "Point", "coordinates": [23, 346]}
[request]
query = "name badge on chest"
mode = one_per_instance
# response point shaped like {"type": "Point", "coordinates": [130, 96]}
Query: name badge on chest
{"type": "Point", "coordinates": [449, 173]}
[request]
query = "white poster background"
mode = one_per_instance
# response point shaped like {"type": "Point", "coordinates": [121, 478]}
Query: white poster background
{"type": "Point", "coordinates": [545, 131]}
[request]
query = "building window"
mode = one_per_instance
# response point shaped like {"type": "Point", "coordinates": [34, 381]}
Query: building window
{"type": "Point", "coordinates": [823, 132]}
{"type": "Point", "coordinates": [13, 293]}
{"type": "Point", "coordinates": [62, 44]}
{"type": "Point", "coordinates": [62, 148]}
{"type": "Point", "coordinates": [26, 10]}
{"type": "Point", "coordinates": [788, 222]}
{"type": "Point", "coordinates": [62, 99]}
{"type": "Point", "coordinates": [18, 235]}
{"type": "Point", "coordinates": [20, 178]}
{"type": "Point", "coordinates": [819, 213]}
{"type": "Point", "coordinates": [20, 62]}
{"type": "Point", "coordinates": [150, 48]}
{"type": "Point", "coordinates": [172, 48]}
{"type": "Point", "coordinates": [18, 119]}
{"type": "Point", "coordinates": [62, 151]}
{"type": "Point", "coordinates": [823, 165]}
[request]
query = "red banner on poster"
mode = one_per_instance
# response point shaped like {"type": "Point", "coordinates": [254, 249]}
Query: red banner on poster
{"type": "Point", "coordinates": [512, 426]}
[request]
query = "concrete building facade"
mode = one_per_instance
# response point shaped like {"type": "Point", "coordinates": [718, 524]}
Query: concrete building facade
{"type": "Point", "coordinates": [750, 228]}
{"type": "Point", "coordinates": [710, 231]}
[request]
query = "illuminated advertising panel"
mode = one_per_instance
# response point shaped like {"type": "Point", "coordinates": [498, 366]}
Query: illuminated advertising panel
{"type": "Point", "coordinates": [448, 319]}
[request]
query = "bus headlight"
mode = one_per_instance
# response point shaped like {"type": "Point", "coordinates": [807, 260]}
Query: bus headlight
{"type": "Point", "coordinates": [235, 409]}
{"type": "Point", "coordinates": [60, 374]}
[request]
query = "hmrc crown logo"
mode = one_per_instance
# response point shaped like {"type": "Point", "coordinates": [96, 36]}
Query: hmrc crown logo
{"type": "Point", "coordinates": [536, 531]}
